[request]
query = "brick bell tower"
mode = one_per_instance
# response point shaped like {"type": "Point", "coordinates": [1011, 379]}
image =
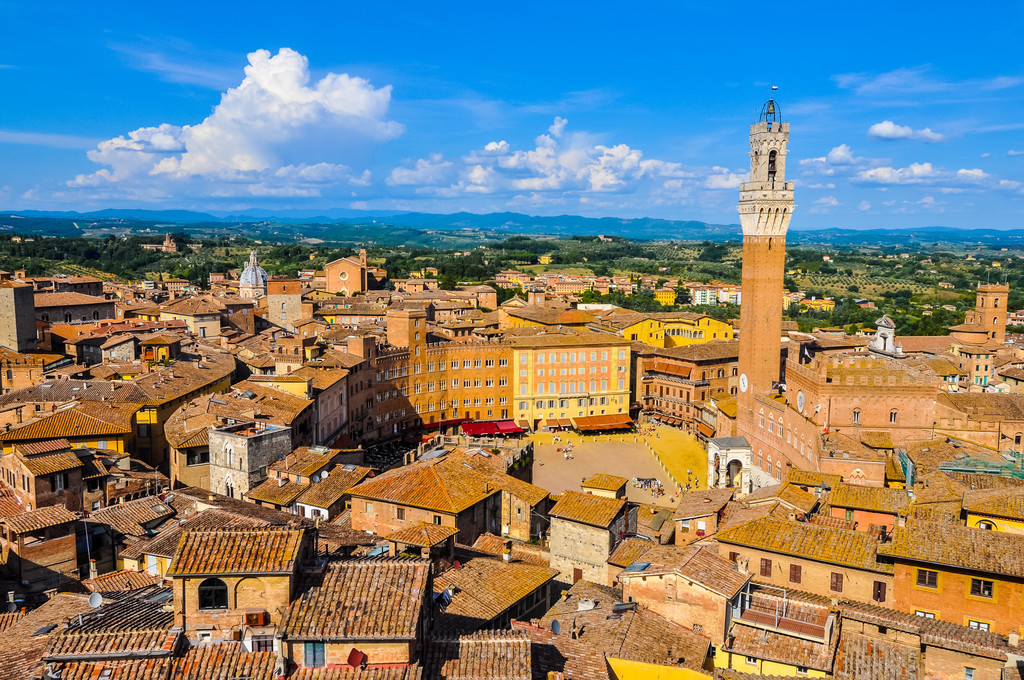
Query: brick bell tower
{"type": "Point", "coordinates": [766, 205]}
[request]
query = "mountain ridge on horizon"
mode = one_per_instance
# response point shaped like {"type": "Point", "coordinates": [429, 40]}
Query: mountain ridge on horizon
{"type": "Point", "coordinates": [462, 219]}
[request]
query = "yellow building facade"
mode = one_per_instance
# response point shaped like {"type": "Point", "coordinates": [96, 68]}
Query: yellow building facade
{"type": "Point", "coordinates": [569, 376]}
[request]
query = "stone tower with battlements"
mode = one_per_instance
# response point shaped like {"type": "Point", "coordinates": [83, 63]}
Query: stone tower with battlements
{"type": "Point", "coordinates": [766, 205]}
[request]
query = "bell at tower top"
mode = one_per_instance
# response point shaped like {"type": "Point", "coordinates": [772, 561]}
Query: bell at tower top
{"type": "Point", "coordinates": [770, 113]}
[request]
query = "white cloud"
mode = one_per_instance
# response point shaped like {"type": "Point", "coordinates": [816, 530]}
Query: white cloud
{"type": "Point", "coordinates": [840, 155]}
{"type": "Point", "coordinates": [1015, 152]}
{"type": "Point", "coordinates": [986, 154]}
{"type": "Point", "coordinates": [723, 179]}
{"type": "Point", "coordinates": [974, 175]}
{"type": "Point", "coordinates": [562, 165]}
{"type": "Point", "coordinates": [276, 133]}
{"type": "Point", "coordinates": [823, 204]}
{"type": "Point", "coordinates": [914, 173]}
{"type": "Point", "coordinates": [890, 130]}
{"type": "Point", "coordinates": [426, 171]}
{"type": "Point", "coordinates": [558, 127]}
{"type": "Point", "coordinates": [864, 206]}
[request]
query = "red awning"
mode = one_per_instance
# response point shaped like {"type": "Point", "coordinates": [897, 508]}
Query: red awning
{"type": "Point", "coordinates": [508, 427]}
{"type": "Point", "coordinates": [705, 429]}
{"type": "Point", "coordinates": [479, 429]}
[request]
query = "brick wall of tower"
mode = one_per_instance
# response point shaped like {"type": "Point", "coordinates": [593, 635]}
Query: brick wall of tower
{"type": "Point", "coordinates": [990, 310]}
{"type": "Point", "coordinates": [764, 261]}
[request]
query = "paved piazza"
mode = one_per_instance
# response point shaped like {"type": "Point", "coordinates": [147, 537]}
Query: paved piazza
{"type": "Point", "coordinates": [614, 454]}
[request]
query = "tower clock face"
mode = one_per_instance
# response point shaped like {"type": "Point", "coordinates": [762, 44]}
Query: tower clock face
{"type": "Point", "coordinates": [743, 382]}
{"type": "Point", "coordinates": [800, 401]}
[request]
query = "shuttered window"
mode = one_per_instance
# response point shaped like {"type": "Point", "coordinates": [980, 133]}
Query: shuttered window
{"type": "Point", "coordinates": [878, 591]}
{"type": "Point", "coordinates": [837, 582]}
{"type": "Point", "coordinates": [795, 572]}
{"type": "Point", "coordinates": [766, 567]}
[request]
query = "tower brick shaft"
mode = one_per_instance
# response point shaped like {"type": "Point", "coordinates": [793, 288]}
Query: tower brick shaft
{"type": "Point", "coordinates": [766, 205]}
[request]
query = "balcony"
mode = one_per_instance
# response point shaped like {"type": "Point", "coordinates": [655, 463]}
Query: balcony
{"type": "Point", "coordinates": [775, 610]}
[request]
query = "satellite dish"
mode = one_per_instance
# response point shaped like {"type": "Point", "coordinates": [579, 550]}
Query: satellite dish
{"type": "Point", "coordinates": [556, 627]}
{"type": "Point", "coordinates": [95, 600]}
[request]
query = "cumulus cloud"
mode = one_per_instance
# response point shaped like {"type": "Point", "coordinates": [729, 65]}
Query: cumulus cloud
{"type": "Point", "coordinates": [276, 133]}
{"type": "Point", "coordinates": [562, 166]}
{"type": "Point", "coordinates": [864, 206]}
{"type": "Point", "coordinates": [823, 204]}
{"type": "Point", "coordinates": [914, 173]}
{"type": "Point", "coordinates": [840, 155]}
{"type": "Point", "coordinates": [890, 130]}
{"type": "Point", "coordinates": [723, 179]}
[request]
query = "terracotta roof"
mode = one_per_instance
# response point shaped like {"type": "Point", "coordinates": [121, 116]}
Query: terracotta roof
{"type": "Point", "coordinates": [119, 581]}
{"type": "Point", "coordinates": [872, 498]}
{"type": "Point", "coordinates": [788, 494]}
{"type": "Point", "coordinates": [823, 544]}
{"type": "Point", "coordinates": [716, 350]}
{"type": "Point", "coordinates": [484, 588]}
{"type": "Point", "coordinates": [521, 551]}
{"type": "Point", "coordinates": [635, 634]}
{"type": "Point", "coordinates": [237, 551]}
{"type": "Point", "coordinates": [224, 661]}
{"type": "Point", "coordinates": [134, 518]}
{"type": "Point", "coordinates": [25, 642]}
{"type": "Point", "coordinates": [772, 646]}
{"type": "Point", "coordinates": [629, 550]}
{"type": "Point", "coordinates": [811, 477]}
{"type": "Point", "coordinates": [877, 440]}
{"type": "Point", "coordinates": [304, 461]}
{"type": "Point", "coordinates": [165, 543]}
{"type": "Point", "coordinates": [587, 508]}
{"type": "Point", "coordinates": [34, 520]}
{"type": "Point", "coordinates": [699, 563]}
{"type": "Point", "coordinates": [484, 654]}
{"type": "Point", "coordinates": [61, 461]}
{"type": "Point", "coordinates": [44, 300]}
{"type": "Point", "coordinates": [860, 656]}
{"type": "Point", "coordinates": [435, 484]}
{"type": "Point", "coordinates": [137, 624]}
{"type": "Point", "coordinates": [35, 448]}
{"type": "Point", "coordinates": [701, 503]}
{"type": "Point", "coordinates": [327, 492]}
{"type": "Point", "coordinates": [995, 552]}
{"type": "Point", "coordinates": [363, 599]}
{"type": "Point", "coordinates": [422, 535]}
{"type": "Point", "coordinates": [276, 492]}
{"type": "Point", "coordinates": [82, 420]}
{"type": "Point", "coordinates": [1005, 503]}
{"type": "Point", "coordinates": [936, 632]}
{"type": "Point", "coordinates": [605, 482]}
{"type": "Point", "coordinates": [349, 673]}
{"type": "Point", "coordinates": [8, 619]}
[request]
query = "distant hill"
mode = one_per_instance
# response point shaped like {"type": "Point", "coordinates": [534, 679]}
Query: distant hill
{"type": "Point", "coordinates": [386, 226]}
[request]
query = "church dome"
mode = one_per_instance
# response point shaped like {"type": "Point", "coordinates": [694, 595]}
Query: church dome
{"type": "Point", "coordinates": [253, 274]}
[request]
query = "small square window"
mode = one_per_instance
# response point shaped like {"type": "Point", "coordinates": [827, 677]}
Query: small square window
{"type": "Point", "coordinates": [981, 588]}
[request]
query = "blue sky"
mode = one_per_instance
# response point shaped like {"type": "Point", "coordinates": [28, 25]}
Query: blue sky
{"type": "Point", "coordinates": [902, 114]}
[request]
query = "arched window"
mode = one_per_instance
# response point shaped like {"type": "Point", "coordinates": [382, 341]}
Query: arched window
{"type": "Point", "coordinates": [987, 526]}
{"type": "Point", "coordinates": [995, 303]}
{"type": "Point", "coordinates": [856, 416]}
{"type": "Point", "coordinates": [771, 163]}
{"type": "Point", "coordinates": [995, 320]}
{"type": "Point", "coordinates": [721, 373]}
{"type": "Point", "coordinates": [735, 371]}
{"type": "Point", "coordinates": [894, 416]}
{"type": "Point", "coordinates": [96, 315]}
{"type": "Point", "coordinates": [213, 594]}
{"type": "Point", "coordinates": [67, 317]}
